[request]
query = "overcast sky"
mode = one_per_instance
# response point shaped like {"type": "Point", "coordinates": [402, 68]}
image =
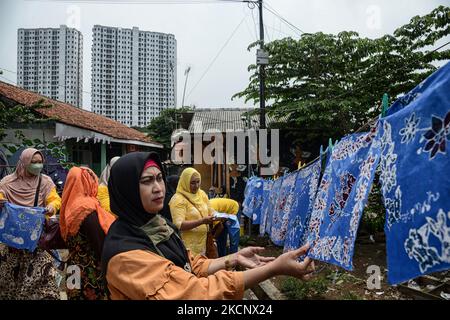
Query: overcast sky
{"type": "Point", "coordinates": [202, 29]}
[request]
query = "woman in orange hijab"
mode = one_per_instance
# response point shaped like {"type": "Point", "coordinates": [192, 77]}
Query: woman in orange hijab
{"type": "Point", "coordinates": [84, 224]}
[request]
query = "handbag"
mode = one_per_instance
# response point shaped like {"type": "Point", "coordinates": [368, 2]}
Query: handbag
{"type": "Point", "coordinates": [51, 238]}
{"type": "Point", "coordinates": [51, 235]}
{"type": "Point", "coordinates": [211, 245]}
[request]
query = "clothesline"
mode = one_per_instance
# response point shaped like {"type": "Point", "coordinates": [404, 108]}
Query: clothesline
{"type": "Point", "coordinates": [299, 210]}
{"type": "Point", "coordinates": [370, 122]}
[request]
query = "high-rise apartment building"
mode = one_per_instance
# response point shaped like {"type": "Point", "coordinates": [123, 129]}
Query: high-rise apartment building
{"type": "Point", "coordinates": [133, 74]}
{"type": "Point", "coordinates": [50, 62]}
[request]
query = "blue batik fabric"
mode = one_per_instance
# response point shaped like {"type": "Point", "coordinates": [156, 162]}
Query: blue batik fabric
{"type": "Point", "coordinates": [341, 198]}
{"type": "Point", "coordinates": [267, 189]}
{"type": "Point", "coordinates": [273, 199]}
{"type": "Point", "coordinates": [253, 199]}
{"type": "Point", "coordinates": [21, 227]}
{"type": "Point", "coordinates": [283, 208]}
{"type": "Point", "coordinates": [415, 180]}
{"type": "Point", "coordinates": [247, 191]}
{"type": "Point", "coordinates": [306, 187]}
{"type": "Point", "coordinates": [258, 200]}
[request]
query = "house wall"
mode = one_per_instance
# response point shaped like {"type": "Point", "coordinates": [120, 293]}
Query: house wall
{"type": "Point", "coordinates": [43, 134]}
{"type": "Point", "coordinates": [205, 172]}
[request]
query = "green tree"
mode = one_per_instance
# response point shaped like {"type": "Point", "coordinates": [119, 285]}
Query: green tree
{"type": "Point", "coordinates": [19, 114]}
{"type": "Point", "coordinates": [330, 85]}
{"type": "Point", "coordinates": [161, 127]}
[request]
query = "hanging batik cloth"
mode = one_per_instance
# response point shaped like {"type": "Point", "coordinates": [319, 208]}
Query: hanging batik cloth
{"type": "Point", "coordinates": [272, 202]}
{"type": "Point", "coordinates": [247, 191]}
{"type": "Point", "coordinates": [267, 189]}
{"type": "Point", "coordinates": [341, 198]}
{"type": "Point", "coordinates": [305, 192]}
{"type": "Point", "coordinates": [251, 206]}
{"type": "Point", "coordinates": [415, 179]}
{"type": "Point", "coordinates": [284, 205]}
{"type": "Point", "coordinates": [259, 194]}
{"type": "Point", "coordinates": [21, 227]}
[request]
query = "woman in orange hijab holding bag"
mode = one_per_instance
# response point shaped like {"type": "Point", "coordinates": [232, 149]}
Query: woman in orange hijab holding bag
{"type": "Point", "coordinates": [84, 224]}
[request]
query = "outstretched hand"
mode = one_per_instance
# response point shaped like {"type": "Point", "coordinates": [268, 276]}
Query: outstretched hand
{"type": "Point", "coordinates": [249, 257]}
{"type": "Point", "coordinates": [288, 264]}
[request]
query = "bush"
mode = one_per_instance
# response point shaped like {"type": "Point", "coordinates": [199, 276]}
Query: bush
{"type": "Point", "coordinates": [300, 290]}
{"type": "Point", "coordinates": [374, 213]}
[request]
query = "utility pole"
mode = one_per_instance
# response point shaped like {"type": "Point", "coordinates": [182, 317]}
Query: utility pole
{"type": "Point", "coordinates": [262, 60]}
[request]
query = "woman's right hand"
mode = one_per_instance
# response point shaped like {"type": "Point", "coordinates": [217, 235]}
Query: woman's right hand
{"type": "Point", "coordinates": [287, 264]}
{"type": "Point", "coordinates": [208, 219]}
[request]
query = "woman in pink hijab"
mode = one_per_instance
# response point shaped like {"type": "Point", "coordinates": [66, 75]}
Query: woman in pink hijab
{"type": "Point", "coordinates": [23, 274]}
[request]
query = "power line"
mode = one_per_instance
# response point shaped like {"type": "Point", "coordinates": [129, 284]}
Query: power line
{"type": "Point", "coordinates": [217, 55]}
{"type": "Point", "coordinates": [255, 25]}
{"type": "Point", "coordinates": [278, 30]}
{"type": "Point", "coordinates": [274, 12]}
{"type": "Point", "coordinates": [157, 2]}
{"type": "Point", "coordinates": [252, 34]}
{"type": "Point", "coordinates": [8, 70]}
{"type": "Point", "coordinates": [266, 32]}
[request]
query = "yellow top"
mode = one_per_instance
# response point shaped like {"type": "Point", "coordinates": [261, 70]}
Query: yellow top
{"type": "Point", "coordinates": [183, 210]}
{"type": "Point", "coordinates": [53, 199]}
{"type": "Point", "coordinates": [103, 197]}
{"type": "Point", "coordinates": [224, 205]}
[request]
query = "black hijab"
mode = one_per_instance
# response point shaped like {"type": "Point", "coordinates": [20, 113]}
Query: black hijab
{"type": "Point", "coordinates": [171, 189]}
{"type": "Point", "coordinates": [125, 234]}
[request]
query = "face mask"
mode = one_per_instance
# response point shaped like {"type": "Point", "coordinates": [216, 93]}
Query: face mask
{"type": "Point", "coordinates": [35, 168]}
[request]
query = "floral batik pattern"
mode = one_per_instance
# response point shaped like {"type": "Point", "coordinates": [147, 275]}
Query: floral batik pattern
{"type": "Point", "coordinates": [415, 179]}
{"type": "Point", "coordinates": [21, 227]}
{"type": "Point", "coordinates": [251, 206]}
{"type": "Point", "coordinates": [267, 189]}
{"type": "Point", "coordinates": [271, 205]}
{"type": "Point", "coordinates": [92, 280]}
{"type": "Point", "coordinates": [286, 201]}
{"type": "Point", "coordinates": [341, 198]}
{"type": "Point", "coordinates": [305, 193]}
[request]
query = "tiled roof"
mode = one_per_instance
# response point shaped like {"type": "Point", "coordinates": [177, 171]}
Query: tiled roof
{"type": "Point", "coordinates": [224, 119]}
{"type": "Point", "coordinates": [68, 114]}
